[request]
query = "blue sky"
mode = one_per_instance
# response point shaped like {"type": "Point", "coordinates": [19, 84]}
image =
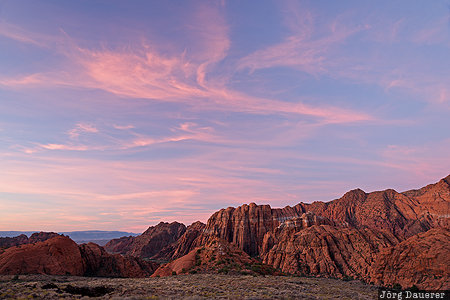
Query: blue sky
{"type": "Point", "coordinates": [118, 114]}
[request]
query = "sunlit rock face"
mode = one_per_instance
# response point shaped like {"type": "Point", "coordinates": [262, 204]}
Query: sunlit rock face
{"type": "Point", "coordinates": [62, 256]}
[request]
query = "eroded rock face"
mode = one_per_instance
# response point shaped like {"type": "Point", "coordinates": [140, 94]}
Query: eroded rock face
{"type": "Point", "coordinates": [422, 260]}
{"type": "Point", "coordinates": [100, 263]}
{"type": "Point", "coordinates": [215, 256]}
{"type": "Point", "coordinates": [149, 243]}
{"type": "Point", "coordinates": [62, 256]}
{"type": "Point", "coordinates": [246, 225]}
{"type": "Point", "coordinates": [6, 242]}
{"type": "Point", "coordinates": [383, 237]}
{"type": "Point", "coordinates": [57, 256]}
{"type": "Point", "coordinates": [187, 242]}
{"type": "Point", "coordinates": [401, 214]}
{"type": "Point", "coordinates": [325, 250]}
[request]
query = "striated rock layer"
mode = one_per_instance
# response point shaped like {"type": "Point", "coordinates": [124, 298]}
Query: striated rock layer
{"type": "Point", "coordinates": [355, 236]}
{"type": "Point", "coordinates": [187, 242]}
{"type": "Point", "coordinates": [325, 250]}
{"type": "Point", "coordinates": [62, 256]}
{"type": "Point", "coordinates": [216, 256]}
{"type": "Point", "coordinates": [422, 260]}
{"type": "Point", "coordinates": [149, 243]}
{"type": "Point", "coordinates": [384, 237]}
{"type": "Point", "coordinates": [402, 214]}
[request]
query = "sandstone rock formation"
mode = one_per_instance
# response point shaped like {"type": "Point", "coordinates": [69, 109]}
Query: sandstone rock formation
{"type": "Point", "coordinates": [6, 242]}
{"type": "Point", "coordinates": [325, 250]}
{"type": "Point", "coordinates": [246, 225]}
{"type": "Point", "coordinates": [187, 242]}
{"type": "Point", "coordinates": [149, 243]}
{"type": "Point", "coordinates": [62, 256]}
{"type": "Point", "coordinates": [98, 262]}
{"type": "Point", "coordinates": [422, 260]}
{"type": "Point", "coordinates": [216, 256]}
{"type": "Point", "coordinates": [346, 237]}
{"type": "Point", "coordinates": [384, 237]}
{"type": "Point", "coordinates": [58, 256]}
{"type": "Point", "coordinates": [402, 214]}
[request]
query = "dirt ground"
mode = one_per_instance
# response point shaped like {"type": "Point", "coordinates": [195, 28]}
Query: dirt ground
{"type": "Point", "coordinates": [192, 286]}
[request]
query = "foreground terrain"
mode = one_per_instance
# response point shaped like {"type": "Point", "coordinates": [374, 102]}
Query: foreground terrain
{"type": "Point", "coordinates": [192, 286]}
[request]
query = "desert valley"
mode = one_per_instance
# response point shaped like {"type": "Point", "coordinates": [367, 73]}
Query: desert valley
{"type": "Point", "coordinates": [357, 243]}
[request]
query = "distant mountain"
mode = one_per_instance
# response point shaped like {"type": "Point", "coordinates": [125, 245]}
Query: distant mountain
{"type": "Point", "coordinates": [96, 236]}
{"type": "Point", "coordinates": [16, 233]}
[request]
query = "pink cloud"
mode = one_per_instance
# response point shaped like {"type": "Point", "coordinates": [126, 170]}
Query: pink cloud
{"type": "Point", "coordinates": [26, 80]}
{"type": "Point", "coordinates": [143, 72]}
{"type": "Point", "coordinates": [123, 127]}
{"type": "Point", "coordinates": [424, 162]}
{"type": "Point", "coordinates": [300, 50]}
{"type": "Point", "coordinates": [63, 147]}
{"type": "Point", "coordinates": [435, 33]}
{"type": "Point", "coordinates": [82, 128]}
{"type": "Point", "coordinates": [19, 34]}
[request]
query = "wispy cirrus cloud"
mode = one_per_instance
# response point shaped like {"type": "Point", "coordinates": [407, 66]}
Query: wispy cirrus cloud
{"type": "Point", "coordinates": [106, 140]}
{"type": "Point", "coordinates": [81, 128]}
{"type": "Point", "coordinates": [21, 35]}
{"type": "Point", "coordinates": [185, 78]}
{"type": "Point", "coordinates": [303, 48]}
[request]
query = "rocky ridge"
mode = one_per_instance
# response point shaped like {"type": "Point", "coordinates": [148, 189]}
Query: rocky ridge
{"type": "Point", "coordinates": [421, 260]}
{"type": "Point", "coordinates": [62, 256]}
{"type": "Point", "coordinates": [349, 237]}
{"type": "Point", "coordinates": [149, 243]}
{"type": "Point", "coordinates": [360, 235]}
{"type": "Point", "coordinates": [6, 242]}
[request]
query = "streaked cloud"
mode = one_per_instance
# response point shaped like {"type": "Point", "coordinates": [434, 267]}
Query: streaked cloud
{"type": "Point", "coordinates": [81, 128]}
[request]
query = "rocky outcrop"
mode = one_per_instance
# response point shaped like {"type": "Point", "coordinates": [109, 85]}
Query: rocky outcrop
{"type": "Point", "coordinates": [433, 202]}
{"type": "Point", "coordinates": [62, 256]}
{"type": "Point", "coordinates": [422, 260]}
{"type": "Point", "coordinates": [325, 250]}
{"type": "Point", "coordinates": [187, 242]}
{"type": "Point", "coordinates": [246, 225]}
{"type": "Point", "coordinates": [290, 227]}
{"type": "Point", "coordinates": [6, 242]}
{"type": "Point", "coordinates": [384, 237]}
{"type": "Point", "coordinates": [401, 214]}
{"type": "Point", "coordinates": [149, 243]}
{"type": "Point", "coordinates": [98, 262]}
{"type": "Point", "coordinates": [58, 256]}
{"type": "Point", "coordinates": [41, 237]}
{"type": "Point", "coordinates": [217, 256]}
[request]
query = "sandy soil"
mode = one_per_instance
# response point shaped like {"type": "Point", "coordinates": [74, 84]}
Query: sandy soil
{"type": "Point", "coordinates": [192, 286]}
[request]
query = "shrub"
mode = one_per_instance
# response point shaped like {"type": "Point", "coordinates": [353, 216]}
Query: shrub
{"type": "Point", "coordinates": [347, 278]}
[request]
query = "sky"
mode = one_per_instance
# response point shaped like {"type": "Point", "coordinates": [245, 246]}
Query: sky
{"type": "Point", "coordinates": [116, 115]}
